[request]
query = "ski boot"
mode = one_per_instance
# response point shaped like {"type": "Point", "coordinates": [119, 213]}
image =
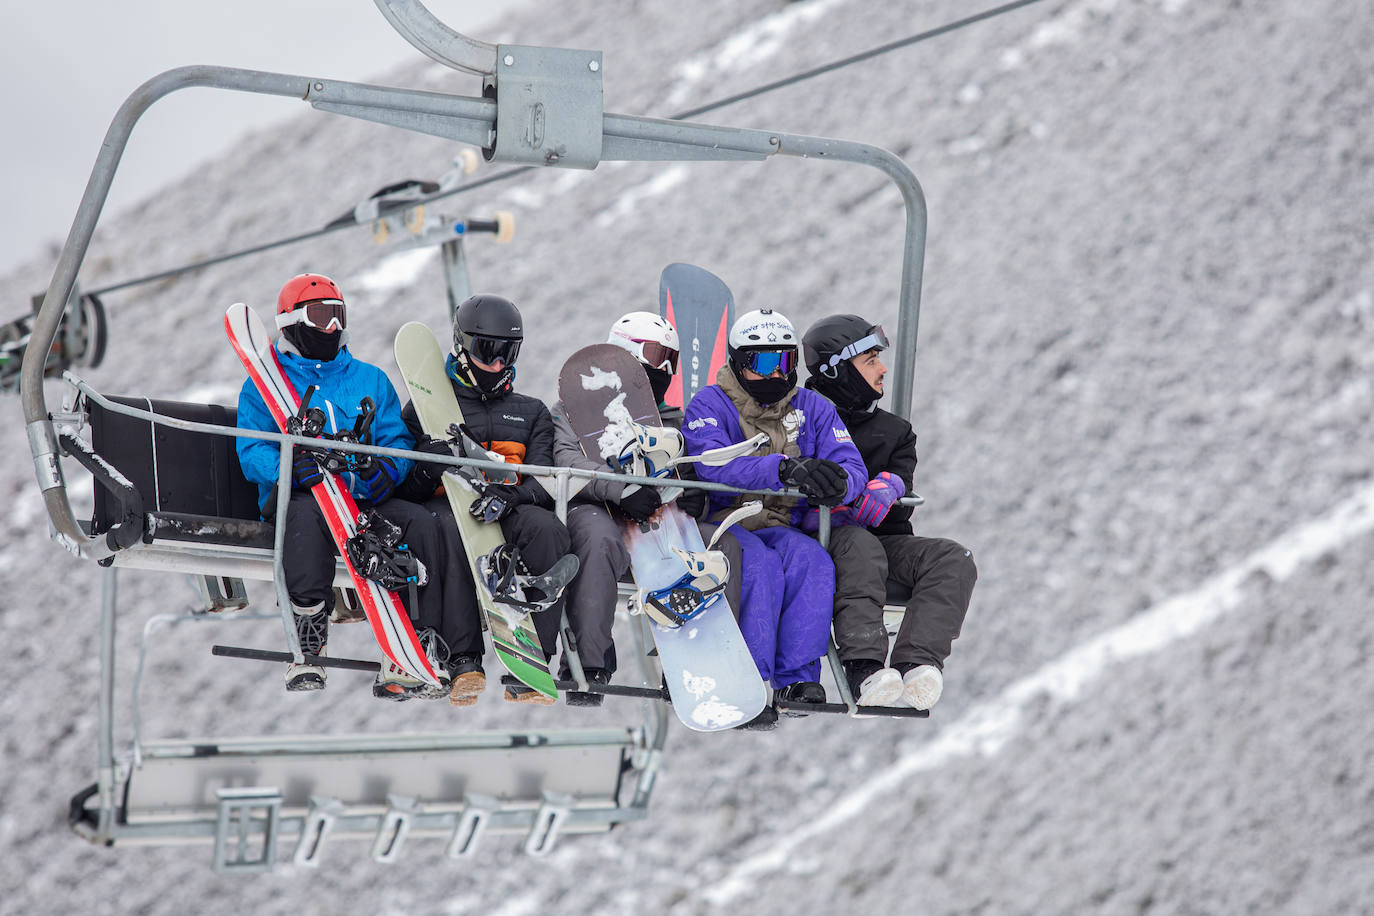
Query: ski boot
{"type": "Point", "coordinates": [312, 631]}
{"type": "Point", "coordinates": [871, 684]}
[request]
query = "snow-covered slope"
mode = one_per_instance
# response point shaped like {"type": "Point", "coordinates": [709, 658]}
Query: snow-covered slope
{"type": "Point", "coordinates": [1144, 400]}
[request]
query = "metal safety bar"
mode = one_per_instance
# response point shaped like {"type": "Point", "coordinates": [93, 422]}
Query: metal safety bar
{"type": "Point", "coordinates": [540, 102]}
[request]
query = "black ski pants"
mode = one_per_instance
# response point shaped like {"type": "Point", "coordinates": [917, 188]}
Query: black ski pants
{"type": "Point", "coordinates": [310, 554]}
{"type": "Point", "coordinates": [940, 574]}
{"type": "Point", "coordinates": [542, 540]}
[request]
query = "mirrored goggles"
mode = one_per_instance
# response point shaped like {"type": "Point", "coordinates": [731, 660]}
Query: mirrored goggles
{"type": "Point", "coordinates": [656, 355]}
{"type": "Point", "coordinates": [493, 350]}
{"type": "Point", "coordinates": [320, 314]}
{"type": "Point", "coordinates": [766, 362]}
{"type": "Point", "coordinates": [876, 339]}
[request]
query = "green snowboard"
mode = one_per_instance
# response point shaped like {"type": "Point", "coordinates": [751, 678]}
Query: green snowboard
{"type": "Point", "coordinates": [421, 362]}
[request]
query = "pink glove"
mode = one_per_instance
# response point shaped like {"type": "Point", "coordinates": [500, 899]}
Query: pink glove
{"type": "Point", "coordinates": [877, 498]}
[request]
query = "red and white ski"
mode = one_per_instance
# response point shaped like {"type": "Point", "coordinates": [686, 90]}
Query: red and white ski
{"type": "Point", "coordinates": [390, 623]}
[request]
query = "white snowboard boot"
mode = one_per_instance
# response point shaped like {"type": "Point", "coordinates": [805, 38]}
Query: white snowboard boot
{"type": "Point", "coordinates": [922, 686]}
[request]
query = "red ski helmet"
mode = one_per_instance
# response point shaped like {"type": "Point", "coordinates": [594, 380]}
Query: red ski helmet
{"type": "Point", "coordinates": [305, 288]}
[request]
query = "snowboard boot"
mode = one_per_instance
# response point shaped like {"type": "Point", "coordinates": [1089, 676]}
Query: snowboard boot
{"type": "Point", "coordinates": [519, 693]}
{"type": "Point", "coordinates": [806, 692]}
{"type": "Point", "coordinates": [394, 683]}
{"type": "Point", "coordinates": [587, 698]}
{"type": "Point", "coordinates": [312, 631]}
{"type": "Point", "coordinates": [436, 650]}
{"type": "Point", "coordinates": [468, 679]}
{"type": "Point", "coordinates": [921, 686]}
{"type": "Point", "coordinates": [766, 720]}
{"type": "Point", "coordinates": [871, 684]}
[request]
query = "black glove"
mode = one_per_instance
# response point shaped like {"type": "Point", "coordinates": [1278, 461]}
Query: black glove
{"type": "Point", "coordinates": [823, 482]}
{"type": "Point", "coordinates": [693, 502]}
{"type": "Point", "coordinates": [305, 470]}
{"type": "Point", "coordinates": [641, 504]}
{"type": "Point", "coordinates": [498, 501]}
{"type": "Point", "coordinates": [378, 481]}
{"type": "Point", "coordinates": [434, 446]}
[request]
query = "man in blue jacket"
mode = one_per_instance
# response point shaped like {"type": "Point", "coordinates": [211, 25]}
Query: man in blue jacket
{"type": "Point", "coordinates": [786, 619]}
{"type": "Point", "coordinates": [313, 351]}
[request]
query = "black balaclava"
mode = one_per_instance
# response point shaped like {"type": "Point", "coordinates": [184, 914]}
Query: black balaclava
{"type": "Point", "coordinates": [486, 383]}
{"type": "Point", "coordinates": [659, 380]}
{"type": "Point", "coordinates": [313, 343]}
{"type": "Point", "coordinates": [767, 390]}
{"type": "Point", "coordinates": [849, 389]}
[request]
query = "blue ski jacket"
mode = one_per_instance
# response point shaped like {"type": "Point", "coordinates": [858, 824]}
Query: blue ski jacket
{"type": "Point", "coordinates": [813, 430]}
{"type": "Point", "coordinates": [343, 383]}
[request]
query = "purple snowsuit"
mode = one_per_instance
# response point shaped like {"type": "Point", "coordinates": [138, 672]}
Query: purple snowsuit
{"type": "Point", "coordinates": [788, 592]}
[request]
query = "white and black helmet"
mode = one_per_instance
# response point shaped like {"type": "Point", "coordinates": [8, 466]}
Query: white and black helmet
{"type": "Point", "coordinates": [760, 334]}
{"type": "Point", "coordinates": [650, 338]}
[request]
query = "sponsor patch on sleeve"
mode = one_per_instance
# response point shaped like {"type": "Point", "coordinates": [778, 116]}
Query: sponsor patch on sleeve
{"type": "Point", "coordinates": [841, 434]}
{"type": "Point", "coordinates": [701, 422]}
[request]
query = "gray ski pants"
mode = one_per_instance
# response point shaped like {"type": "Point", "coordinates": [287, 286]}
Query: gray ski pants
{"type": "Point", "coordinates": [940, 574]}
{"type": "Point", "coordinates": [599, 545]}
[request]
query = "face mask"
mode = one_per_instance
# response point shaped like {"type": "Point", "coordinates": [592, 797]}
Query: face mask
{"type": "Point", "coordinates": [769, 390]}
{"type": "Point", "coordinates": [848, 389]}
{"type": "Point", "coordinates": [659, 380]}
{"type": "Point", "coordinates": [313, 344]}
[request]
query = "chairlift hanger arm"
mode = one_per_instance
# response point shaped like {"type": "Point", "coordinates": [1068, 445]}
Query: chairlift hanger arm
{"type": "Point", "coordinates": [418, 25]}
{"type": "Point", "coordinates": [469, 120]}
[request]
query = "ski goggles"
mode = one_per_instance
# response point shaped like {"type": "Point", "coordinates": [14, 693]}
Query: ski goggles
{"type": "Point", "coordinates": [492, 350]}
{"type": "Point", "coordinates": [656, 355]}
{"type": "Point", "coordinates": [875, 339]}
{"type": "Point", "coordinates": [766, 362]}
{"type": "Point", "coordinates": [320, 314]}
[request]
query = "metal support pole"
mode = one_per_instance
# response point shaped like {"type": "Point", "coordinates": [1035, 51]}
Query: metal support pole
{"type": "Point", "coordinates": [105, 778]}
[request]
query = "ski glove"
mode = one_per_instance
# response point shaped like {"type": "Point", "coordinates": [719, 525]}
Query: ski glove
{"type": "Point", "coordinates": [434, 446]}
{"type": "Point", "coordinates": [305, 470]}
{"type": "Point", "coordinates": [641, 504]}
{"type": "Point", "coordinates": [823, 482]}
{"type": "Point", "coordinates": [877, 498]}
{"type": "Point", "coordinates": [693, 502]}
{"type": "Point", "coordinates": [377, 482]}
{"type": "Point", "coordinates": [498, 501]}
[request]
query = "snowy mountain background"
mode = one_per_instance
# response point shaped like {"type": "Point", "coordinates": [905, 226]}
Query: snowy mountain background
{"type": "Point", "coordinates": [1143, 394]}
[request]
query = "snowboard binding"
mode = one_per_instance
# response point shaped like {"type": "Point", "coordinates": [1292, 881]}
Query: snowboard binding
{"type": "Point", "coordinates": [650, 451]}
{"type": "Point", "coordinates": [469, 447]}
{"type": "Point", "coordinates": [310, 421]}
{"type": "Point", "coordinates": [697, 589]}
{"type": "Point", "coordinates": [509, 582]}
{"type": "Point", "coordinates": [377, 553]}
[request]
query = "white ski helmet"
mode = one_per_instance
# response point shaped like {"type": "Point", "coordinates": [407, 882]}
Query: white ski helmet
{"type": "Point", "coordinates": [651, 339]}
{"type": "Point", "coordinates": [762, 331]}
{"type": "Point", "coordinates": [762, 328]}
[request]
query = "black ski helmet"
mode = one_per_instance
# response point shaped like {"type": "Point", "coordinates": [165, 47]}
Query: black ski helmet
{"type": "Point", "coordinates": [486, 328]}
{"type": "Point", "coordinates": [828, 347]}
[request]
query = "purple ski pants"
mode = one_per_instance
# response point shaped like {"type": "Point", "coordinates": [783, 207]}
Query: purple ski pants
{"type": "Point", "coordinates": [788, 592]}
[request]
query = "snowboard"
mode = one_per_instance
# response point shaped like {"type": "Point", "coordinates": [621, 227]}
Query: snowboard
{"type": "Point", "coordinates": [390, 622]}
{"type": "Point", "coordinates": [711, 677]}
{"type": "Point", "coordinates": [421, 361]}
{"type": "Point", "coordinates": [698, 304]}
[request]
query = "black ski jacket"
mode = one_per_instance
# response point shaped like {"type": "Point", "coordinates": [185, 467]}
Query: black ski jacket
{"type": "Point", "coordinates": [887, 443]}
{"type": "Point", "coordinates": [515, 425]}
